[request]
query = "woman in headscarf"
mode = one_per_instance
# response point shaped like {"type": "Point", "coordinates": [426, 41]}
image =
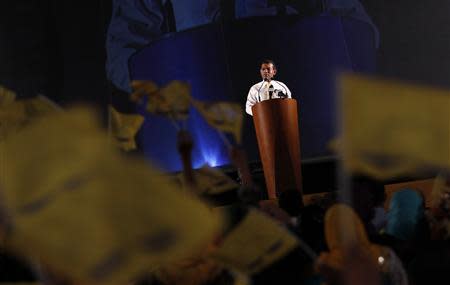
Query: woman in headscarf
{"type": "Point", "coordinates": [439, 213]}
{"type": "Point", "coordinates": [406, 216]}
{"type": "Point", "coordinates": [352, 258]}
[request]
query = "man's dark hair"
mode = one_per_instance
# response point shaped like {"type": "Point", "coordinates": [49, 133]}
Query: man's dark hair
{"type": "Point", "coordinates": [269, 61]}
{"type": "Point", "coordinates": [373, 186]}
{"type": "Point", "coordinates": [366, 194]}
{"type": "Point", "coordinates": [291, 201]}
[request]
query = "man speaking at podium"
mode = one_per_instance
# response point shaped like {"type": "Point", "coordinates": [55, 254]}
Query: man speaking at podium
{"type": "Point", "coordinates": [266, 89]}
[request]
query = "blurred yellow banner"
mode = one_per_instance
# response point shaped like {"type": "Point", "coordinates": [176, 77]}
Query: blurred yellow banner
{"type": "Point", "coordinates": [14, 115]}
{"type": "Point", "coordinates": [391, 128]}
{"type": "Point", "coordinates": [224, 116]}
{"type": "Point", "coordinates": [40, 105]}
{"type": "Point", "coordinates": [89, 213]}
{"type": "Point", "coordinates": [255, 243]}
{"type": "Point", "coordinates": [142, 88]}
{"type": "Point", "coordinates": [124, 128]}
{"type": "Point", "coordinates": [172, 100]}
{"type": "Point", "coordinates": [6, 96]}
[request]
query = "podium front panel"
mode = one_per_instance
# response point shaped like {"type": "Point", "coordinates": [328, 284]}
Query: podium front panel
{"type": "Point", "coordinates": [277, 132]}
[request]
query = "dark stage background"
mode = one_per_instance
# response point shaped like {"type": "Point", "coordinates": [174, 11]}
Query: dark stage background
{"type": "Point", "coordinates": [56, 48]}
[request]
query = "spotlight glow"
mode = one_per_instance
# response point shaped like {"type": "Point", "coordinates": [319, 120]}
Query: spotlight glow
{"type": "Point", "coordinates": [207, 157]}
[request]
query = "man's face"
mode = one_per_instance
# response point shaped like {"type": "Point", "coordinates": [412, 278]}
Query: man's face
{"type": "Point", "coordinates": [267, 71]}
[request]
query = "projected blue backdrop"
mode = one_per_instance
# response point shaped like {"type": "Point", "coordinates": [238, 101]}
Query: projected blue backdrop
{"type": "Point", "coordinates": [221, 62]}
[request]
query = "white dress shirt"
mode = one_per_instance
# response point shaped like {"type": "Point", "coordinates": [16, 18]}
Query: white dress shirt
{"type": "Point", "coordinates": [261, 91]}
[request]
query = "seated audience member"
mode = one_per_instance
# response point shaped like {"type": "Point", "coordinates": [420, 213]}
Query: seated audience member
{"type": "Point", "coordinates": [310, 226]}
{"type": "Point", "coordinates": [379, 220]}
{"type": "Point", "coordinates": [406, 216]}
{"type": "Point", "coordinates": [292, 269]}
{"type": "Point", "coordinates": [352, 258]}
{"type": "Point", "coordinates": [439, 213]}
{"type": "Point", "coordinates": [407, 229]}
{"type": "Point", "coordinates": [305, 221]}
{"type": "Point", "coordinates": [365, 195]}
{"type": "Point", "coordinates": [291, 201]}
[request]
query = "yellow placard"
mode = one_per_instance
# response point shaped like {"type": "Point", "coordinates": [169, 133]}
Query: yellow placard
{"type": "Point", "coordinates": [391, 128]}
{"type": "Point", "coordinates": [14, 115]}
{"type": "Point", "coordinates": [172, 100]}
{"type": "Point", "coordinates": [224, 116]}
{"type": "Point", "coordinates": [40, 105]}
{"type": "Point", "coordinates": [124, 128]}
{"type": "Point", "coordinates": [142, 88]}
{"type": "Point", "coordinates": [255, 243]}
{"type": "Point", "coordinates": [177, 99]}
{"type": "Point", "coordinates": [89, 213]}
{"type": "Point", "coordinates": [6, 96]}
{"type": "Point", "coordinates": [211, 181]}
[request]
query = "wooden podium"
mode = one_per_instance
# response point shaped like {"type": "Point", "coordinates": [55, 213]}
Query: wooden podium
{"type": "Point", "coordinates": [277, 131]}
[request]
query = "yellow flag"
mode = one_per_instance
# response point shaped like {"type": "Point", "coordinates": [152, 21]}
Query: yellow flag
{"type": "Point", "coordinates": [124, 128]}
{"type": "Point", "coordinates": [391, 128]}
{"type": "Point", "coordinates": [40, 105]}
{"type": "Point", "coordinates": [255, 243]}
{"type": "Point", "coordinates": [12, 118]}
{"type": "Point", "coordinates": [14, 115]}
{"type": "Point", "coordinates": [224, 116]}
{"type": "Point", "coordinates": [211, 181]}
{"type": "Point", "coordinates": [440, 203]}
{"type": "Point", "coordinates": [6, 96]}
{"type": "Point", "coordinates": [172, 100]}
{"type": "Point", "coordinates": [89, 213]}
{"type": "Point", "coordinates": [142, 88]}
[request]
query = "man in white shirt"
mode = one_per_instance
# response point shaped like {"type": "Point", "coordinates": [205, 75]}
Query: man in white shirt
{"type": "Point", "coordinates": [267, 88]}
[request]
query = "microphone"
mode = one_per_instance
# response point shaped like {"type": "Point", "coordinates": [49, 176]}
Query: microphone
{"type": "Point", "coordinates": [281, 94]}
{"type": "Point", "coordinates": [271, 89]}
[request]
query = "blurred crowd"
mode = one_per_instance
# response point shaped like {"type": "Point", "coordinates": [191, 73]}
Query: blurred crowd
{"type": "Point", "coordinates": [88, 214]}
